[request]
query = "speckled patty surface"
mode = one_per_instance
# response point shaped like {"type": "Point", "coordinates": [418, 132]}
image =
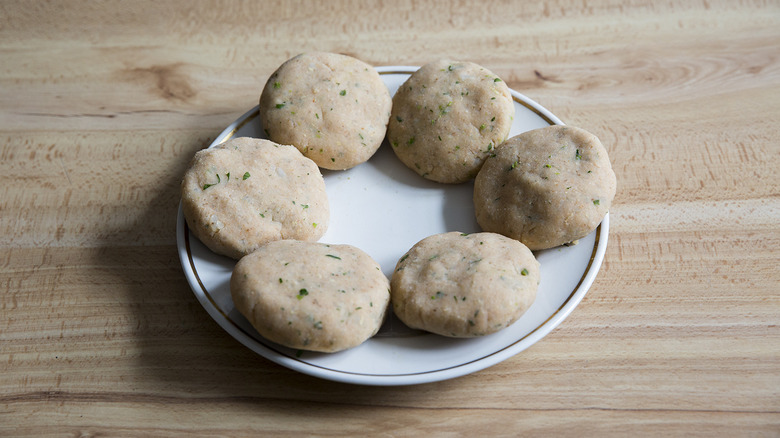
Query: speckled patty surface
{"type": "Point", "coordinates": [545, 187]}
{"type": "Point", "coordinates": [310, 295]}
{"type": "Point", "coordinates": [464, 285]}
{"type": "Point", "coordinates": [447, 118]}
{"type": "Point", "coordinates": [247, 192]}
{"type": "Point", "coordinates": [333, 108]}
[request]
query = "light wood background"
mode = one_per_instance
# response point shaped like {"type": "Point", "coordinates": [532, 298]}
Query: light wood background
{"type": "Point", "coordinates": [103, 103]}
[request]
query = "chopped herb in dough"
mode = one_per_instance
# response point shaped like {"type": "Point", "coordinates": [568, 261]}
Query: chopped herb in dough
{"type": "Point", "coordinates": [205, 186]}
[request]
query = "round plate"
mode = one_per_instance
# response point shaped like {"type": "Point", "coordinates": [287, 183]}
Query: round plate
{"type": "Point", "coordinates": [384, 208]}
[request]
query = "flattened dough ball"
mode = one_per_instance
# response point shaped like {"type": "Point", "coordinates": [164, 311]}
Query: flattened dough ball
{"type": "Point", "coordinates": [311, 296]}
{"type": "Point", "coordinates": [333, 108]}
{"type": "Point", "coordinates": [545, 187]}
{"type": "Point", "coordinates": [464, 285]}
{"type": "Point", "coordinates": [247, 192]}
{"type": "Point", "coordinates": [447, 118]}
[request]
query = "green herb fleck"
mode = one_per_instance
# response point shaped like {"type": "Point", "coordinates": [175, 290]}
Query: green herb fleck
{"type": "Point", "coordinates": [318, 325]}
{"type": "Point", "coordinates": [399, 119]}
{"type": "Point", "coordinates": [514, 165]}
{"type": "Point", "coordinates": [596, 202]}
{"type": "Point", "coordinates": [411, 140]}
{"type": "Point", "coordinates": [302, 293]}
{"type": "Point", "coordinates": [279, 105]}
{"type": "Point", "coordinates": [524, 272]}
{"type": "Point", "coordinates": [316, 115]}
{"type": "Point", "coordinates": [246, 175]}
{"type": "Point", "coordinates": [577, 155]}
{"type": "Point", "coordinates": [281, 281]}
{"type": "Point", "coordinates": [547, 166]}
{"type": "Point", "coordinates": [343, 93]}
{"type": "Point", "coordinates": [332, 256]}
{"type": "Point", "coordinates": [277, 85]}
{"type": "Point", "coordinates": [496, 80]}
{"type": "Point", "coordinates": [439, 294]}
{"type": "Point", "coordinates": [205, 186]}
{"type": "Point", "coordinates": [481, 127]}
{"type": "Point", "coordinates": [305, 206]}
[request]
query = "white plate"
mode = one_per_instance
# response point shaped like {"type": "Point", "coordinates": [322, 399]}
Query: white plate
{"type": "Point", "coordinates": [384, 208]}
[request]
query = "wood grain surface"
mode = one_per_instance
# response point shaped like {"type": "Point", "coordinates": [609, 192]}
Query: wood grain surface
{"type": "Point", "coordinates": [103, 103]}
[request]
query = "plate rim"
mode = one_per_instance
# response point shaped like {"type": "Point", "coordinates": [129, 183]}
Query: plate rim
{"type": "Point", "coordinates": [268, 352]}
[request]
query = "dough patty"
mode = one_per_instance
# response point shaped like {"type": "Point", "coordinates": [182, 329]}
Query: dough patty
{"type": "Point", "coordinates": [246, 192]}
{"type": "Point", "coordinates": [333, 108]}
{"type": "Point", "coordinates": [447, 118]}
{"type": "Point", "coordinates": [464, 285]}
{"type": "Point", "coordinates": [545, 187]}
{"type": "Point", "coordinates": [310, 295]}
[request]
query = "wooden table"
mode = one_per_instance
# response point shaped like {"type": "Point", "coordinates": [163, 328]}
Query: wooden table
{"type": "Point", "coordinates": [102, 105]}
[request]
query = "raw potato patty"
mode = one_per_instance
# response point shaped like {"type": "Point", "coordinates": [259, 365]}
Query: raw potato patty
{"type": "Point", "coordinates": [333, 108]}
{"type": "Point", "coordinates": [464, 285]}
{"type": "Point", "coordinates": [545, 187]}
{"type": "Point", "coordinates": [311, 296]}
{"type": "Point", "coordinates": [447, 118]}
{"type": "Point", "coordinates": [247, 192]}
